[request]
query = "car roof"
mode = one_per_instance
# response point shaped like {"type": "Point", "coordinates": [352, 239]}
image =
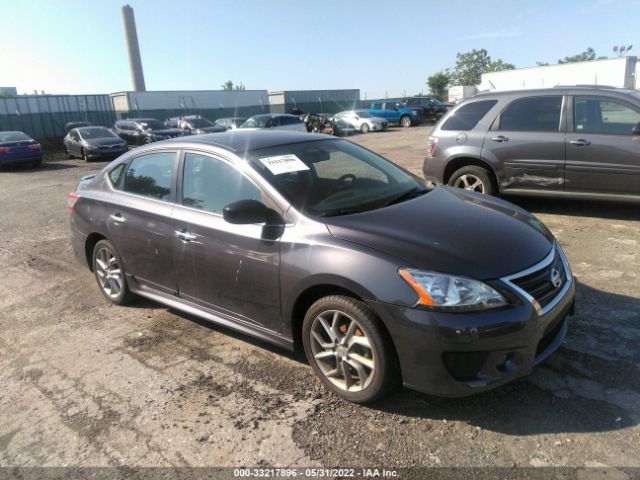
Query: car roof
{"type": "Point", "coordinates": [557, 90]}
{"type": "Point", "coordinates": [240, 141]}
{"type": "Point", "coordinates": [138, 119]}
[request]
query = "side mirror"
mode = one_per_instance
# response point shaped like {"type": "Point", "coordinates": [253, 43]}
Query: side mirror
{"type": "Point", "coordinates": [245, 212]}
{"type": "Point", "coordinates": [636, 129]}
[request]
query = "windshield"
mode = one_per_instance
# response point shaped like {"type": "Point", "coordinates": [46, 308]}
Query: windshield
{"type": "Point", "coordinates": [151, 125]}
{"type": "Point", "coordinates": [13, 137]}
{"type": "Point", "coordinates": [259, 121]}
{"type": "Point", "coordinates": [95, 132]}
{"type": "Point", "coordinates": [364, 114]}
{"type": "Point", "coordinates": [200, 123]}
{"type": "Point", "coordinates": [332, 177]}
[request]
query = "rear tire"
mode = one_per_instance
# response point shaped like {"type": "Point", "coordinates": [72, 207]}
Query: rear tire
{"type": "Point", "coordinates": [364, 128]}
{"type": "Point", "coordinates": [110, 275]}
{"type": "Point", "coordinates": [472, 178]}
{"type": "Point", "coordinates": [349, 350]}
{"type": "Point", "coordinates": [405, 121]}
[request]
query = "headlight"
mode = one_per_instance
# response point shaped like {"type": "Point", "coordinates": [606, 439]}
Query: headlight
{"type": "Point", "coordinates": [451, 293]}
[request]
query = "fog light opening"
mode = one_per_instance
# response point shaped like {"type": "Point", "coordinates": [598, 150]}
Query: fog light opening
{"type": "Point", "coordinates": [510, 362]}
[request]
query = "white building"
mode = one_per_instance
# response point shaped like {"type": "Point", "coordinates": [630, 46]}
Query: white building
{"type": "Point", "coordinates": [621, 72]}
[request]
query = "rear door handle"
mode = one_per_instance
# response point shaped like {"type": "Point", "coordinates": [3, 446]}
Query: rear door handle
{"type": "Point", "coordinates": [185, 236]}
{"type": "Point", "coordinates": [581, 142]}
{"type": "Point", "coordinates": [500, 138]}
{"type": "Point", "coordinates": [117, 218]}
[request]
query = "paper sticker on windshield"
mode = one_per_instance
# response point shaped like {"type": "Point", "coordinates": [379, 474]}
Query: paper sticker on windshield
{"type": "Point", "coordinates": [283, 164]}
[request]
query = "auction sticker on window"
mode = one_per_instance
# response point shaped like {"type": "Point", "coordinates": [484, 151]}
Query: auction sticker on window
{"type": "Point", "coordinates": [283, 164]}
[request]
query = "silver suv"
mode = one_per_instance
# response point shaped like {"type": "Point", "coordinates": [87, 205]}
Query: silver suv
{"type": "Point", "coordinates": [563, 140]}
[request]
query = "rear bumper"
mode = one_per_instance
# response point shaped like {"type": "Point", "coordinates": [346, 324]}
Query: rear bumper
{"type": "Point", "coordinates": [433, 169]}
{"type": "Point", "coordinates": [460, 354]}
{"type": "Point", "coordinates": [22, 158]}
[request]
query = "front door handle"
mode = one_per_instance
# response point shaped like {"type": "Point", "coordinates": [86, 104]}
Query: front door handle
{"type": "Point", "coordinates": [500, 138]}
{"type": "Point", "coordinates": [581, 142]}
{"type": "Point", "coordinates": [185, 236]}
{"type": "Point", "coordinates": [117, 218]}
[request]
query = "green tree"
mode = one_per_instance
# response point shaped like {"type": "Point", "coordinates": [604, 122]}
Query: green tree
{"type": "Point", "coordinates": [438, 84]}
{"type": "Point", "coordinates": [588, 55]}
{"type": "Point", "coordinates": [540, 63]}
{"type": "Point", "coordinates": [499, 66]}
{"type": "Point", "coordinates": [471, 65]}
{"type": "Point", "coordinates": [229, 85]}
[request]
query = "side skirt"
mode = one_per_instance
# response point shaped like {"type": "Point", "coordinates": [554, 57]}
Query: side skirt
{"type": "Point", "coordinates": [214, 317]}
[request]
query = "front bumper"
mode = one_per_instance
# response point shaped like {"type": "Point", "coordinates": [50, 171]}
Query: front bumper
{"type": "Point", "coordinates": [459, 354]}
{"type": "Point", "coordinates": [106, 153]}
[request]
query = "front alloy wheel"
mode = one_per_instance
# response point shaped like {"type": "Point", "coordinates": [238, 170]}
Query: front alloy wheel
{"type": "Point", "coordinates": [342, 350]}
{"type": "Point", "coordinates": [348, 349]}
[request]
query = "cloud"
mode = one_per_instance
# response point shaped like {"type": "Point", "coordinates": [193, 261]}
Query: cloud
{"type": "Point", "coordinates": [494, 34]}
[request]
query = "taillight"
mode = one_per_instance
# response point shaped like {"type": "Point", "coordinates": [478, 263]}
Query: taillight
{"type": "Point", "coordinates": [4, 149]}
{"type": "Point", "coordinates": [432, 144]}
{"type": "Point", "coordinates": [35, 146]}
{"type": "Point", "coordinates": [72, 198]}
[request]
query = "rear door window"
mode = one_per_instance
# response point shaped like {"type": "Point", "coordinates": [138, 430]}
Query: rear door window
{"type": "Point", "coordinates": [150, 175]}
{"type": "Point", "coordinates": [467, 116]}
{"type": "Point", "coordinates": [604, 115]}
{"type": "Point", "coordinates": [532, 114]}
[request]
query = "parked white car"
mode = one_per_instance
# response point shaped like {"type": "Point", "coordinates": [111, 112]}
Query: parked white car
{"type": "Point", "coordinates": [279, 121]}
{"type": "Point", "coordinates": [362, 120]}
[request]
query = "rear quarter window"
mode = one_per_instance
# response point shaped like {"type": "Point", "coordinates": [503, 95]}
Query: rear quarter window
{"type": "Point", "coordinates": [467, 116]}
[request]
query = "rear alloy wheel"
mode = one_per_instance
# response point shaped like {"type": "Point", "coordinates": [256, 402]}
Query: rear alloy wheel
{"type": "Point", "coordinates": [348, 350]}
{"type": "Point", "coordinates": [364, 128]}
{"type": "Point", "coordinates": [109, 273]}
{"type": "Point", "coordinates": [405, 121]}
{"type": "Point", "coordinates": [472, 178]}
{"type": "Point", "coordinates": [67, 153]}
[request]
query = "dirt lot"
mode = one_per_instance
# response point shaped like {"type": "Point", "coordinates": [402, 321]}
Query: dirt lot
{"type": "Point", "coordinates": [90, 384]}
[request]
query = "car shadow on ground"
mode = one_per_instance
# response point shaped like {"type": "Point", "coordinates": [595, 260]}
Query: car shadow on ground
{"type": "Point", "coordinates": [611, 209]}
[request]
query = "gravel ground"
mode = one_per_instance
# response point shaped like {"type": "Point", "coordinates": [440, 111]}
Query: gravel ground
{"type": "Point", "coordinates": [86, 383]}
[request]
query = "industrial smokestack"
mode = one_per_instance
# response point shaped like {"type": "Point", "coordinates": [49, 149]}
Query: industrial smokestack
{"type": "Point", "coordinates": [131, 37]}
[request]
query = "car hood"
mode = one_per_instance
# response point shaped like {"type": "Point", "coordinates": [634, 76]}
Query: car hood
{"type": "Point", "coordinates": [452, 231]}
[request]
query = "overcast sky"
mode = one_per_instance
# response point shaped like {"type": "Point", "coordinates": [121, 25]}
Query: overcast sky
{"type": "Point", "coordinates": [381, 47]}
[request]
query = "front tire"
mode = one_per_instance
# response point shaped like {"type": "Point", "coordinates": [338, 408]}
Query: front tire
{"type": "Point", "coordinates": [109, 273]}
{"type": "Point", "coordinates": [349, 350]}
{"type": "Point", "coordinates": [405, 121]}
{"type": "Point", "coordinates": [364, 128]}
{"type": "Point", "coordinates": [473, 178]}
{"type": "Point", "coordinates": [83, 154]}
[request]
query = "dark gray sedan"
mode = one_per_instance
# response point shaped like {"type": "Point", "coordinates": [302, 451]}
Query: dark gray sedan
{"type": "Point", "coordinates": [310, 241]}
{"type": "Point", "coordinates": [91, 143]}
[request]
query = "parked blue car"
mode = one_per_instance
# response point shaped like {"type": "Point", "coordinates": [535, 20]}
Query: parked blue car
{"type": "Point", "coordinates": [18, 147]}
{"type": "Point", "coordinates": [394, 112]}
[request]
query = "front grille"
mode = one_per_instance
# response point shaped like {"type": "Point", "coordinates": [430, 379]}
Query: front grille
{"type": "Point", "coordinates": [464, 366]}
{"type": "Point", "coordinates": [539, 284]}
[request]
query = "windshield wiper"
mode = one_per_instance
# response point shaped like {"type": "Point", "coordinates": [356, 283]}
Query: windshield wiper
{"type": "Point", "coordinates": [414, 192]}
{"type": "Point", "coordinates": [340, 211]}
